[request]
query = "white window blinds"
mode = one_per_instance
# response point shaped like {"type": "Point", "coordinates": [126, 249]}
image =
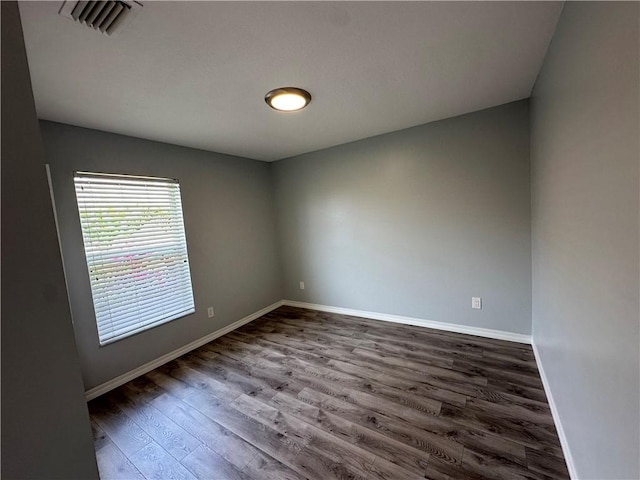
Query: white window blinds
{"type": "Point", "coordinates": [136, 251]}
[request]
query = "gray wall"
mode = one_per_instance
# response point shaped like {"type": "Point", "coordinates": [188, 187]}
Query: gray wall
{"type": "Point", "coordinates": [585, 233]}
{"type": "Point", "coordinates": [415, 222]}
{"type": "Point", "coordinates": [229, 222]}
{"type": "Point", "coordinates": [45, 423]}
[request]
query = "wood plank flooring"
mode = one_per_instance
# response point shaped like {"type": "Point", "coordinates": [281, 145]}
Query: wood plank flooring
{"type": "Point", "coordinates": [304, 394]}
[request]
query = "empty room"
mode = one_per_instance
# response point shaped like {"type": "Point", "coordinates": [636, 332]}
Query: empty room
{"type": "Point", "coordinates": [320, 240]}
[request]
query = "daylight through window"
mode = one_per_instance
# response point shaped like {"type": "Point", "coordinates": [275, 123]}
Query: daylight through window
{"type": "Point", "coordinates": [136, 251]}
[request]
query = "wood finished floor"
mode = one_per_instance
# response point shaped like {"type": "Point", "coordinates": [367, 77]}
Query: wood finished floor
{"type": "Point", "coordinates": [305, 394]}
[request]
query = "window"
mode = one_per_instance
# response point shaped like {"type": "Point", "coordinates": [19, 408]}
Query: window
{"type": "Point", "coordinates": [136, 252]}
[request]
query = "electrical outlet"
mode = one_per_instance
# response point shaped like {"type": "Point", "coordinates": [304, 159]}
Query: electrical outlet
{"type": "Point", "coordinates": [301, 285]}
{"type": "Point", "coordinates": [476, 302]}
{"type": "Point", "coordinates": [210, 312]}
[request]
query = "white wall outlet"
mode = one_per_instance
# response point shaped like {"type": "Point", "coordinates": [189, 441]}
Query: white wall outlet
{"type": "Point", "coordinates": [210, 312]}
{"type": "Point", "coordinates": [301, 285]}
{"type": "Point", "coordinates": [476, 302]}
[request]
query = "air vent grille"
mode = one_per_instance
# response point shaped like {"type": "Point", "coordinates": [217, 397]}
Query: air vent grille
{"type": "Point", "coordinates": [108, 17]}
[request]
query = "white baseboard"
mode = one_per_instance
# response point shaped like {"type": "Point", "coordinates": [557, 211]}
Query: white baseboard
{"type": "Point", "coordinates": [449, 327]}
{"type": "Point", "coordinates": [419, 322]}
{"type": "Point", "coordinates": [147, 367]}
{"type": "Point", "coordinates": [564, 443]}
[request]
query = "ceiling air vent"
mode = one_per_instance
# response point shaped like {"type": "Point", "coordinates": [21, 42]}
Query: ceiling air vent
{"type": "Point", "coordinates": [108, 17]}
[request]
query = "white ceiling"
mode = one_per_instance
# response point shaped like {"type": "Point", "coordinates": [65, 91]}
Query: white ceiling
{"type": "Point", "coordinates": [195, 73]}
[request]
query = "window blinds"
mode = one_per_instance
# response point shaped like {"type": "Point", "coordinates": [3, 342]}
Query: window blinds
{"type": "Point", "coordinates": [136, 251]}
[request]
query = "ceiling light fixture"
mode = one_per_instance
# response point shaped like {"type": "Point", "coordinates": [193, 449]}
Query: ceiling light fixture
{"type": "Point", "coordinates": [288, 99]}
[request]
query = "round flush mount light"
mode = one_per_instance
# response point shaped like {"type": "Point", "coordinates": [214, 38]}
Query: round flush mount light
{"type": "Point", "coordinates": [287, 99]}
